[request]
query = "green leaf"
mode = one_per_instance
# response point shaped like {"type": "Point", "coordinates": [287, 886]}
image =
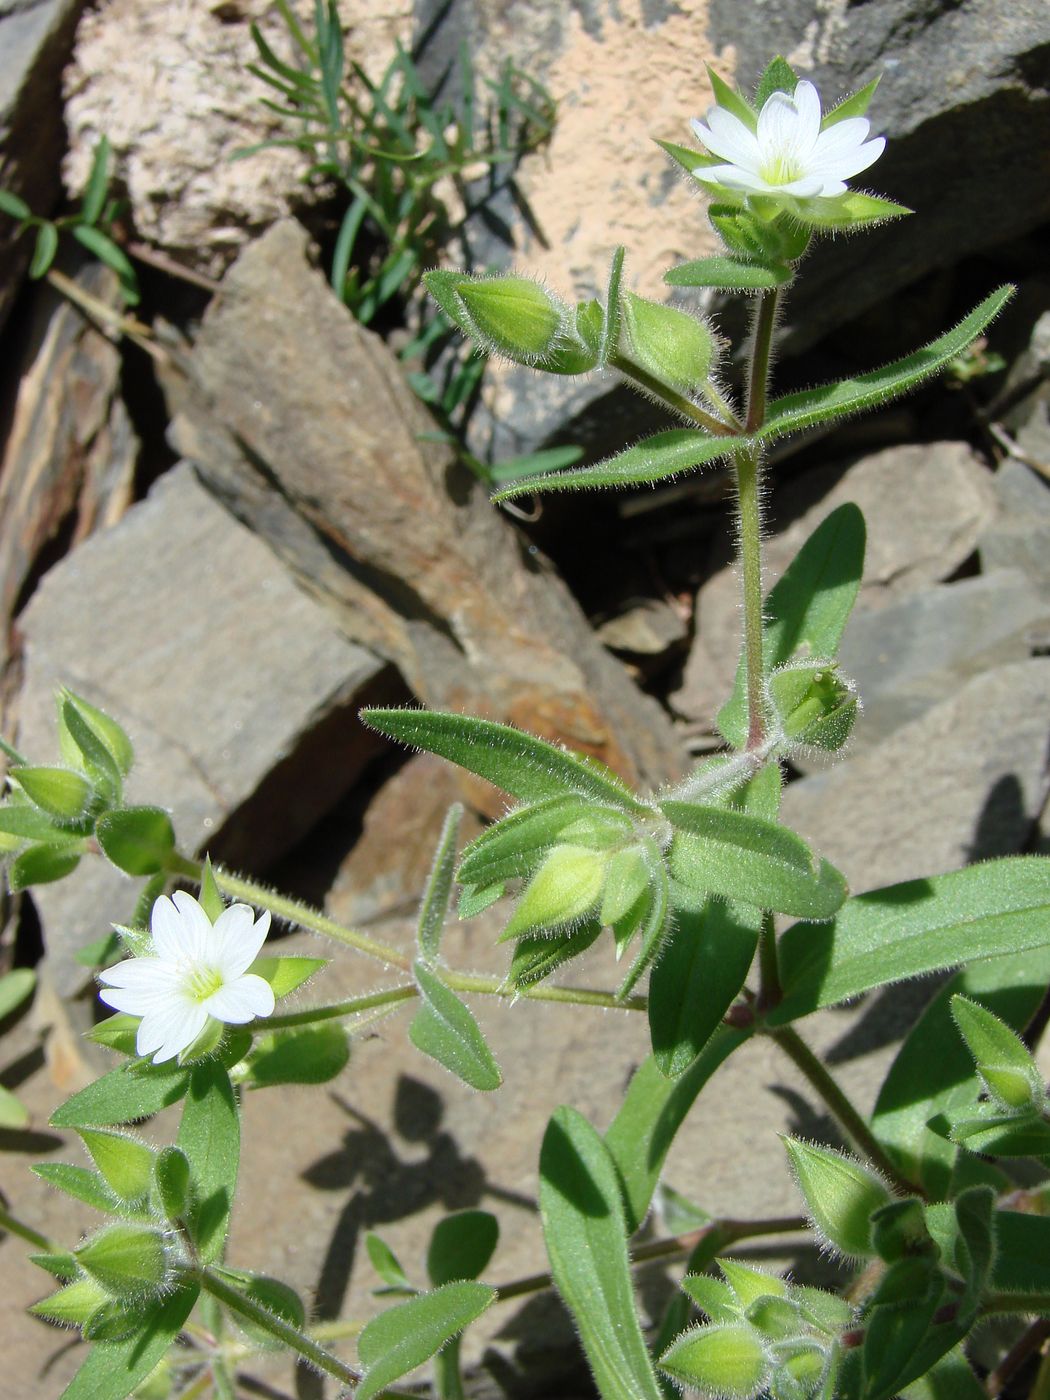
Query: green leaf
{"type": "Point", "coordinates": [654, 459]}
{"type": "Point", "coordinates": [732, 274]}
{"type": "Point", "coordinates": [13, 1114]}
{"type": "Point", "coordinates": [406, 1336]}
{"type": "Point", "coordinates": [952, 1378]}
{"type": "Point", "coordinates": [732, 100]}
{"type": "Point", "coordinates": [526, 767]}
{"type": "Point", "coordinates": [611, 312]}
{"type": "Point", "coordinates": [88, 741]}
{"type": "Point", "coordinates": [461, 1246]}
{"type": "Point", "coordinates": [210, 1137]}
{"type": "Point", "coordinates": [173, 1177]}
{"type": "Point", "coordinates": [516, 844]}
{"type": "Point", "coordinates": [45, 249]}
{"type": "Point", "coordinates": [434, 908]}
{"type": "Point", "coordinates": [1022, 1254]}
{"type": "Point", "coordinates": [313, 1055]}
{"type": "Point", "coordinates": [548, 459]}
{"type": "Point", "coordinates": [78, 1182]}
{"type": "Point", "coordinates": [59, 792]}
{"type": "Point", "coordinates": [13, 205]}
{"type": "Point", "coordinates": [847, 211]}
{"type": "Point", "coordinates": [853, 106]}
{"type": "Point", "coordinates": [114, 257]}
{"type": "Point", "coordinates": [100, 952]}
{"type": "Point", "coordinates": [698, 974]}
{"type": "Point", "coordinates": [807, 609]}
{"type": "Point", "coordinates": [112, 1370]}
{"type": "Point", "coordinates": [131, 1091]}
{"type": "Point", "coordinates": [656, 907]}
{"type": "Point", "coordinates": [652, 1111]}
{"type": "Point", "coordinates": [585, 1231]}
{"type": "Point", "coordinates": [446, 1030]}
{"type": "Point", "coordinates": [1003, 1060]}
{"type": "Point", "coordinates": [779, 76]}
{"type": "Point", "coordinates": [124, 1162]}
{"type": "Point", "coordinates": [720, 851]}
{"type": "Point", "coordinates": [793, 412]}
{"type": "Point", "coordinates": [285, 974]}
{"type": "Point", "coordinates": [98, 181]}
{"type": "Point", "coordinates": [933, 1073]}
{"type": "Point", "coordinates": [921, 926]}
{"type": "Point", "coordinates": [137, 840]}
{"type": "Point", "coordinates": [41, 865]}
{"type": "Point", "coordinates": [536, 956]}
{"type": "Point", "coordinates": [26, 823]}
{"type": "Point", "coordinates": [15, 987]}
{"type": "Point", "coordinates": [386, 1264]}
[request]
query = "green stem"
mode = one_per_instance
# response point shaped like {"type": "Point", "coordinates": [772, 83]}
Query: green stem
{"type": "Point", "coordinates": [292, 910]}
{"type": "Point", "coordinates": [770, 992]}
{"type": "Point", "coordinates": [671, 397]}
{"type": "Point", "coordinates": [570, 996]}
{"type": "Point", "coordinates": [761, 349]}
{"type": "Point", "coordinates": [720, 1233]}
{"type": "Point", "coordinates": [14, 1226]}
{"type": "Point", "coordinates": [1018, 1303]}
{"type": "Point", "coordinates": [746, 463]}
{"type": "Point", "coordinates": [291, 1337]}
{"type": "Point", "coordinates": [849, 1119]}
{"type": "Point", "coordinates": [352, 1007]}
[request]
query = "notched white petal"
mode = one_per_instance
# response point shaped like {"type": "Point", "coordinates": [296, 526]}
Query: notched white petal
{"type": "Point", "coordinates": [242, 1000]}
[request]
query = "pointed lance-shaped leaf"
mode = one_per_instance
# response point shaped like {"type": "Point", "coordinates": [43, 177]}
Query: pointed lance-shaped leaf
{"type": "Point", "coordinates": [62, 794]}
{"type": "Point", "coordinates": [729, 273]}
{"type": "Point", "coordinates": [434, 907]}
{"type": "Point", "coordinates": [445, 1029]}
{"type": "Point", "coordinates": [410, 1333]}
{"type": "Point", "coordinates": [1003, 1060]}
{"type": "Point", "coordinates": [129, 1261]}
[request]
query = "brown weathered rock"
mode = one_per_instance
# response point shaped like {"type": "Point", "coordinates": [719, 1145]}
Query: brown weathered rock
{"type": "Point", "coordinates": [324, 452]}
{"type": "Point", "coordinates": [69, 460]}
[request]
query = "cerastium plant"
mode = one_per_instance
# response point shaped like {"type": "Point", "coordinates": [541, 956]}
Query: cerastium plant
{"type": "Point", "coordinates": [918, 1200]}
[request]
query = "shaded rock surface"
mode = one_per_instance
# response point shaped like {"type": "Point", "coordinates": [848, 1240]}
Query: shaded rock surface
{"type": "Point", "coordinates": [925, 506]}
{"type": "Point", "coordinates": [35, 40]}
{"type": "Point", "coordinates": [239, 694]}
{"type": "Point", "coordinates": [326, 457]}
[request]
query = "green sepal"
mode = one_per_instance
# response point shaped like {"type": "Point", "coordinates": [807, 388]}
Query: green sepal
{"type": "Point", "coordinates": [731, 100]}
{"type": "Point", "coordinates": [513, 315]}
{"type": "Point", "coordinates": [715, 1299]}
{"type": "Point", "coordinates": [727, 1359]}
{"type": "Point", "coordinates": [124, 1162]}
{"type": "Point", "coordinates": [841, 1196]}
{"type": "Point", "coordinates": [116, 1032]}
{"type": "Point", "coordinates": [672, 346]}
{"type": "Point", "coordinates": [137, 840]}
{"type": "Point", "coordinates": [687, 157]}
{"type": "Point", "coordinates": [80, 1183]}
{"type": "Point", "coordinates": [473, 899]}
{"type": "Point", "coordinates": [843, 212]}
{"type": "Point", "coordinates": [129, 1261]}
{"type": "Point", "coordinates": [445, 1029]}
{"type": "Point", "coordinates": [564, 889]}
{"type": "Point", "coordinates": [750, 1284]}
{"type": "Point", "coordinates": [513, 846]}
{"type": "Point", "coordinates": [22, 823]}
{"type": "Point", "coordinates": [536, 956]}
{"type": "Point", "coordinates": [1003, 1061]}
{"type": "Point", "coordinates": [113, 1370]}
{"type": "Point", "coordinates": [275, 1296]}
{"type": "Point", "coordinates": [72, 1305]}
{"type": "Point", "coordinates": [209, 896]}
{"type": "Point", "coordinates": [778, 76]}
{"type": "Point", "coordinates": [774, 1317]}
{"type": "Point", "coordinates": [612, 313]}
{"type": "Point", "coordinates": [628, 876]}
{"type": "Point", "coordinates": [814, 706]}
{"type": "Point", "coordinates": [653, 918]}
{"type": "Point", "coordinates": [91, 741]}
{"type": "Point", "coordinates": [173, 1180]}
{"type": "Point", "coordinates": [855, 105]}
{"type": "Point", "coordinates": [60, 792]}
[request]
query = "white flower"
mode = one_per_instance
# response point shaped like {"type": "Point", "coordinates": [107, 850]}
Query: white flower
{"type": "Point", "coordinates": [788, 154]}
{"type": "Point", "coordinates": [197, 970]}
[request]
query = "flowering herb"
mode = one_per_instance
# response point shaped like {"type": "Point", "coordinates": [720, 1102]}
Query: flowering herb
{"type": "Point", "coordinates": [197, 970]}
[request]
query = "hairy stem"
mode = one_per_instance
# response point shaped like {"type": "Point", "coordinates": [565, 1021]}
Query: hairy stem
{"type": "Point", "coordinates": [761, 347]}
{"type": "Point", "coordinates": [770, 992]}
{"type": "Point", "coordinates": [836, 1099]}
{"type": "Point", "coordinates": [747, 464]}
{"type": "Point", "coordinates": [667, 395]}
{"type": "Point", "coordinates": [721, 1234]}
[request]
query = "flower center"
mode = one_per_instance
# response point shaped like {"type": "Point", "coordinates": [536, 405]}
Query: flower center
{"type": "Point", "coordinates": [203, 982]}
{"type": "Point", "coordinates": [780, 168]}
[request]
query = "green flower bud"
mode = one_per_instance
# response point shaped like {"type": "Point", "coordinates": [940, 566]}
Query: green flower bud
{"type": "Point", "coordinates": [674, 347]}
{"type": "Point", "coordinates": [62, 794]}
{"type": "Point", "coordinates": [841, 1196]}
{"type": "Point", "coordinates": [814, 704]}
{"type": "Point", "coordinates": [514, 316]}
{"type": "Point", "coordinates": [728, 1361]}
{"type": "Point", "coordinates": [125, 1164]}
{"type": "Point", "coordinates": [127, 1260]}
{"type": "Point", "coordinates": [799, 1374]}
{"type": "Point", "coordinates": [565, 887]}
{"type": "Point", "coordinates": [626, 881]}
{"type": "Point", "coordinates": [1003, 1060]}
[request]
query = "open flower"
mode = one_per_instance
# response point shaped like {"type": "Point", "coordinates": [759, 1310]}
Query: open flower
{"type": "Point", "coordinates": [787, 153]}
{"type": "Point", "coordinates": [196, 970]}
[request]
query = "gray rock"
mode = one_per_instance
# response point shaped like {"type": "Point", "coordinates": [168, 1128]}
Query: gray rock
{"type": "Point", "coordinates": [327, 454]}
{"type": "Point", "coordinates": [1019, 536]}
{"type": "Point", "coordinates": [925, 507]}
{"type": "Point", "coordinates": [911, 654]}
{"type": "Point", "coordinates": [239, 694]}
{"type": "Point", "coordinates": [35, 41]}
{"type": "Point", "coordinates": [964, 782]}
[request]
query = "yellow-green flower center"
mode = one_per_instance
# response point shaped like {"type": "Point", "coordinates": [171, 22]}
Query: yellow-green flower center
{"type": "Point", "coordinates": [203, 982]}
{"type": "Point", "coordinates": [781, 170]}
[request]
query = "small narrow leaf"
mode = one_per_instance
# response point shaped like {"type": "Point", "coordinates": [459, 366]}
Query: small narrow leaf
{"type": "Point", "coordinates": [13, 1114]}
{"type": "Point", "coordinates": [586, 1237]}
{"type": "Point", "coordinates": [127, 1093]}
{"type": "Point", "coordinates": [537, 956]}
{"type": "Point", "coordinates": [210, 1137]}
{"type": "Point", "coordinates": [732, 274]}
{"type": "Point", "coordinates": [15, 988]}
{"type": "Point", "coordinates": [78, 1182]}
{"type": "Point", "coordinates": [386, 1264]}
{"type": "Point", "coordinates": [13, 205]}
{"type": "Point", "coordinates": [407, 1335]}
{"type": "Point", "coordinates": [45, 249]}
{"type": "Point", "coordinates": [527, 767]}
{"type": "Point", "coordinates": [654, 459]}
{"type": "Point", "coordinates": [446, 1030]}
{"type": "Point", "coordinates": [434, 909]}
{"type": "Point", "coordinates": [740, 856]}
{"type": "Point", "coordinates": [98, 180]}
